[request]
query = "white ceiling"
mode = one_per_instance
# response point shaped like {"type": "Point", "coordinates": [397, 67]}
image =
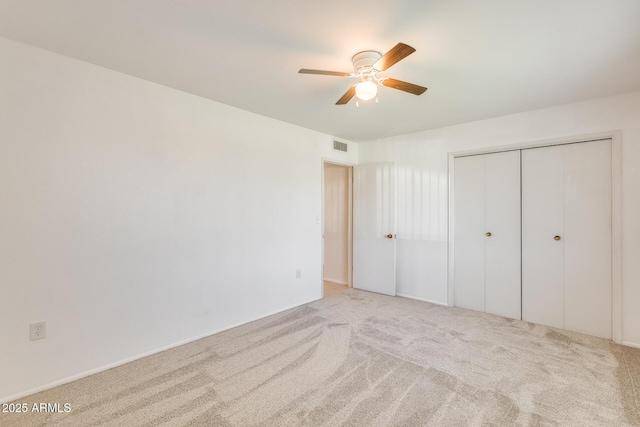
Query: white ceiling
{"type": "Point", "coordinates": [479, 59]}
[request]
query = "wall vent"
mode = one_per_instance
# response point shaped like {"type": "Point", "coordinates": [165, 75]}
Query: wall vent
{"type": "Point", "coordinates": [340, 146]}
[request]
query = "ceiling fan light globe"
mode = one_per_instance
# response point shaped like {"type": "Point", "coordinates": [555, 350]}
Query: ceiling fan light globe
{"type": "Point", "coordinates": [366, 90]}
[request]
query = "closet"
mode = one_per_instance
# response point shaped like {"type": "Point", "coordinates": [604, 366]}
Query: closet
{"type": "Point", "coordinates": [532, 235]}
{"type": "Point", "coordinates": [487, 233]}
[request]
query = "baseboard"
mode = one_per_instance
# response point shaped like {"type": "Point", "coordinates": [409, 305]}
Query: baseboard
{"type": "Point", "coordinates": [75, 377]}
{"type": "Point", "coordinates": [337, 282]}
{"type": "Point", "coordinates": [423, 299]}
{"type": "Point", "coordinates": [631, 344]}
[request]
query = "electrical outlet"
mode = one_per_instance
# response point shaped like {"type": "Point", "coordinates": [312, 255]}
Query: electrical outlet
{"type": "Point", "coordinates": [38, 331]}
{"type": "Point", "coordinates": [298, 273]}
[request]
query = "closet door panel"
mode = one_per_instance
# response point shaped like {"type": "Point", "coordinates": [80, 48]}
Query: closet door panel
{"type": "Point", "coordinates": [542, 220]}
{"type": "Point", "coordinates": [502, 220]}
{"type": "Point", "coordinates": [587, 238]}
{"type": "Point", "coordinates": [469, 232]}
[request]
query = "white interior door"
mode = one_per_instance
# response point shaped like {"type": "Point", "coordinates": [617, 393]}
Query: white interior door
{"type": "Point", "coordinates": [469, 232]}
{"type": "Point", "coordinates": [542, 220]}
{"type": "Point", "coordinates": [502, 247]}
{"type": "Point", "coordinates": [374, 228]}
{"type": "Point", "coordinates": [587, 238]}
{"type": "Point", "coordinates": [487, 233]}
{"type": "Point", "coordinates": [566, 246]}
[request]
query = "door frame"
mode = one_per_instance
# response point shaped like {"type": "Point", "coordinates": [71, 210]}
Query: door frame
{"type": "Point", "coordinates": [349, 166]}
{"type": "Point", "coordinates": [616, 212]}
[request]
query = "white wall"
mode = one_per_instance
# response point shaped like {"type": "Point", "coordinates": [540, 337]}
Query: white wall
{"type": "Point", "coordinates": [336, 223]}
{"type": "Point", "coordinates": [134, 216]}
{"type": "Point", "coordinates": [422, 160]}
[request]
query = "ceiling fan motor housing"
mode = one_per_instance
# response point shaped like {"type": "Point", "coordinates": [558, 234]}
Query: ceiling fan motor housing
{"type": "Point", "coordinates": [363, 61]}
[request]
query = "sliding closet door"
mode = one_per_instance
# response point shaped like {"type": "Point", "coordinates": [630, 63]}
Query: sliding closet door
{"type": "Point", "coordinates": [587, 238]}
{"type": "Point", "coordinates": [542, 221]}
{"type": "Point", "coordinates": [487, 233]}
{"type": "Point", "coordinates": [566, 232]}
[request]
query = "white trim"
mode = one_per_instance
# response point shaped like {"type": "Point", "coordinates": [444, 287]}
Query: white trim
{"type": "Point", "coordinates": [630, 344]}
{"type": "Point", "coordinates": [450, 230]}
{"type": "Point", "coordinates": [84, 374]}
{"type": "Point", "coordinates": [350, 231]}
{"type": "Point", "coordinates": [337, 282]}
{"type": "Point", "coordinates": [396, 204]}
{"type": "Point", "coordinates": [537, 144]}
{"type": "Point", "coordinates": [616, 212]}
{"type": "Point", "coordinates": [336, 162]}
{"type": "Point", "coordinates": [616, 236]}
{"type": "Point", "coordinates": [423, 300]}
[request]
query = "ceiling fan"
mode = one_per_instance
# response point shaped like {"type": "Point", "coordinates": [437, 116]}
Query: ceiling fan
{"type": "Point", "coordinates": [367, 64]}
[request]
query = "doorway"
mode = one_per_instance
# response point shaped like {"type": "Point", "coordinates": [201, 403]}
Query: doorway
{"type": "Point", "coordinates": [337, 225]}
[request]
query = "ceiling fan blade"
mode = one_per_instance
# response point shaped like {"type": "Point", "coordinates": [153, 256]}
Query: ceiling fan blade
{"type": "Point", "coordinates": [347, 96]}
{"type": "Point", "coordinates": [397, 53]}
{"type": "Point", "coordinates": [324, 73]}
{"type": "Point", "coordinates": [404, 86]}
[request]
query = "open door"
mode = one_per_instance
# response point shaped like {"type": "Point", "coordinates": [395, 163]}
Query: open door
{"type": "Point", "coordinates": [374, 228]}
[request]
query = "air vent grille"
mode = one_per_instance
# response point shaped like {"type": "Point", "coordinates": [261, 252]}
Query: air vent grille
{"type": "Point", "coordinates": [340, 146]}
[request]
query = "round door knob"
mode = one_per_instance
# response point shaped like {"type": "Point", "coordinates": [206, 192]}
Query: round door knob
{"type": "Point", "coordinates": [389, 236]}
{"type": "Point", "coordinates": [489, 234]}
{"type": "Point", "coordinates": [556, 238]}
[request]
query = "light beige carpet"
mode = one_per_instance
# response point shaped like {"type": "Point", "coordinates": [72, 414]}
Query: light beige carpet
{"type": "Point", "coordinates": [362, 359]}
